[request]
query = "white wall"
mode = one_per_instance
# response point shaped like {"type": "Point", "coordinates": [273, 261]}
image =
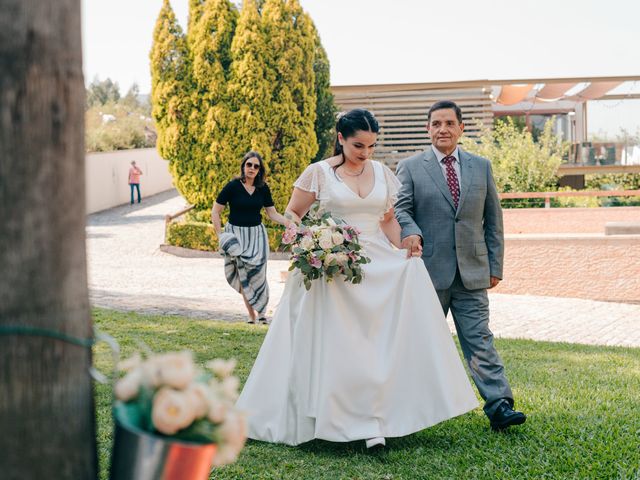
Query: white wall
{"type": "Point", "coordinates": [107, 175]}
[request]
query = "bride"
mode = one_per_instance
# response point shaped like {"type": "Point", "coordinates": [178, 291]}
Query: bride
{"type": "Point", "coordinates": [344, 362]}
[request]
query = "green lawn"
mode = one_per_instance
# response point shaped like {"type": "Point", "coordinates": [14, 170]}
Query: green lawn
{"type": "Point", "coordinates": [583, 405]}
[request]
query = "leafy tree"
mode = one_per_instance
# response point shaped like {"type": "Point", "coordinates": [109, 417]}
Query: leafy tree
{"type": "Point", "coordinates": [102, 92]}
{"type": "Point", "coordinates": [519, 163]}
{"type": "Point", "coordinates": [131, 97]}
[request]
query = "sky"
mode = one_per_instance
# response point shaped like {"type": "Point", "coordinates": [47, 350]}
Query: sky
{"type": "Point", "coordinates": [405, 41]}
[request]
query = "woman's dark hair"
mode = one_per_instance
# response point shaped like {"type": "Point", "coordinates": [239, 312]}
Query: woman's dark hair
{"type": "Point", "coordinates": [259, 181]}
{"type": "Point", "coordinates": [353, 121]}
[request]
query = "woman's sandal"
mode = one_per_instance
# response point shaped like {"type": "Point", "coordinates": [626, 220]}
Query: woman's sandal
{"type": "Point", "coordinates": [263, 320]}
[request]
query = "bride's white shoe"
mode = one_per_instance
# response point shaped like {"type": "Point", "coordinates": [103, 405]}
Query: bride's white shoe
{"type": "Point", "coordinates": [373, 442]}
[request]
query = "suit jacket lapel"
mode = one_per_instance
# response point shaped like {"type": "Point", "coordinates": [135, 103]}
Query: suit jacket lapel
{"type": "Point", "coordinates": [466, 172]}
{"type": "Point", "coordinates": [434, 170]}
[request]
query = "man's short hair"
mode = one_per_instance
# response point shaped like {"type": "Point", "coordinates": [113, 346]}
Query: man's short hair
{"type": "Point", "coordinates": [445, 104]}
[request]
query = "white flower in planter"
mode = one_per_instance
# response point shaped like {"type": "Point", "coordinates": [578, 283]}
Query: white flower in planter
{"type": "Point", "coordinates": [222, 368]}
{"type": "Point", "coordinates": [234, 434]}
{"type": "Point", "coordinates": [128, 386]}
{"type": "Point", "coordinates": [171, 411]}
{"type": "Point", "coordinates": [198, 397]}
{"type": "Point", "coordinates": [176, 369]}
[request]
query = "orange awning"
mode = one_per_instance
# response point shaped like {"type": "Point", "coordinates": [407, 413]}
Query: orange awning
{"type": "Point", "coordinates": [512, 94]}
{"type": "Point", "coordinates": [553, 91]}
{"type": "Point", "coordinates": [595, 90]}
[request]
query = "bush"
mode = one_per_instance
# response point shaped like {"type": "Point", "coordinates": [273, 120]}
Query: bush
{"type": "Point", "coordinates": [615, 181]}
{"type": "Point", "coordinates": [193, 235]}
{"type": "Point", "coordinates": [519, 163]}
{"type": "Point", "coordinates": [197, 235]}
{"type": "Point", "coordinates": [130, 129]}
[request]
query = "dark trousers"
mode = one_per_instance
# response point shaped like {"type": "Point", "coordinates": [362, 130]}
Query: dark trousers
{"type": "Point", "coordinates": [137, 186]}
{"type": "Point", "coordinates": [470, 311]}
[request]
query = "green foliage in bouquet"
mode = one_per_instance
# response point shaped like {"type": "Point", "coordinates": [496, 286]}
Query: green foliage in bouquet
{"type": "Point", "coordinates": [325, 247]}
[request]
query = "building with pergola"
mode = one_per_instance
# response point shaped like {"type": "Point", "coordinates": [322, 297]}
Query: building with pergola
{"type": "Point", "coordinates": [401, 110]}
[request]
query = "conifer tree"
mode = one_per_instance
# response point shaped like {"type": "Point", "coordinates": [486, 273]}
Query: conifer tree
{"type": "Point", "coordinates": [291, 113]}
{"type": "Point", "coordinates": [212, 161]}
{"type": "Point", "coordinates": [250, 84]}
{"type": "Point", "coordinates": [325, 106]}
{"type": "Point", "coordinates": [171, 99]}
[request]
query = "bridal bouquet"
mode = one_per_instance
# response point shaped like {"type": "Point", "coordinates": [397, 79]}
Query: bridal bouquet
{"type": "Point", "coordinates": [167, 395]}
{"type": "Point", "coordinates": [325, 247]}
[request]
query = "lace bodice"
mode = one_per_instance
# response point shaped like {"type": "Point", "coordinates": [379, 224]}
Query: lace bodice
{"type": "Point", "coordinates": [336, 197]}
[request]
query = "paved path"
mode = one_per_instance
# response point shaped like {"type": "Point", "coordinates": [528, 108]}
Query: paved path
{"type": "Point", "coordinates": [127, 271]}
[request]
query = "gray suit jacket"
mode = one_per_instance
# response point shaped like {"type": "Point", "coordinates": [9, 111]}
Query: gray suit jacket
{"type": "Point", "coordinates": [471, 238]}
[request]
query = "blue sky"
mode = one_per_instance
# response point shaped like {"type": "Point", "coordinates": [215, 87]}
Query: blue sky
{"type": "Point", "coordinates": [400, 41]}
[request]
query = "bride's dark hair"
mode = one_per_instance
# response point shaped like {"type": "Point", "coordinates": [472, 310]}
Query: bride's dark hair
{"type": "Point", "coordinates": [351, 122]}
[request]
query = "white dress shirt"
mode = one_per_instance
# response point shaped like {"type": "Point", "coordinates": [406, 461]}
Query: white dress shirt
{"type": "Point", "coordinates": [456, 165]}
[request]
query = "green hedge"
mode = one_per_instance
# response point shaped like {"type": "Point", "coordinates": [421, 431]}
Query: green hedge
{"type": "Point", "coordinates": [193, 235]}
{"type": "Point", "coordinates": [202, 236]}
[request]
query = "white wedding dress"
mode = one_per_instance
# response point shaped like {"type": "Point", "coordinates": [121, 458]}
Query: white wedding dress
{"type": "Point", "coordinates": [345, 362]}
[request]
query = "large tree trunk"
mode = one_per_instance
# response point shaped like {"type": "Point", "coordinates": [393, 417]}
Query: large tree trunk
{"type": "Point", "coordinates": [47, 427]}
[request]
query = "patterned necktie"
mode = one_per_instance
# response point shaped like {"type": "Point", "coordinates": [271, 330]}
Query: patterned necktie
{"type": "Point", "coordinates": [452, 179]}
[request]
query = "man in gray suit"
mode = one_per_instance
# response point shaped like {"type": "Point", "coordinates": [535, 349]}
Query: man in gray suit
{"type": "Point", "coordinates": [449, 210]}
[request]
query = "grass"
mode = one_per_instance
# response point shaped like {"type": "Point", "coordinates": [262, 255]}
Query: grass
{"type": "Point", "coordinates": [583, 405]}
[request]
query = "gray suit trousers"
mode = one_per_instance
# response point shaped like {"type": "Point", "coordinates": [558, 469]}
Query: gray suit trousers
{"type": "Point", "coordinates": [470, 311]}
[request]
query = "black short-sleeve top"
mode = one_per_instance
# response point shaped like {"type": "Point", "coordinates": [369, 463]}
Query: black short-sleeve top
{"type": "Point", "coordinates": [244, 207]}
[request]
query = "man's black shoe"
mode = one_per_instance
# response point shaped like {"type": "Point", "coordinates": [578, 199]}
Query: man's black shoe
{"type": "Point", "coordinates": [505, 416]}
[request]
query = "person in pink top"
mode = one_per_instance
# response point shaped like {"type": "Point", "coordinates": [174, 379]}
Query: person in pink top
{"type": "Point", "coordinates": [134, 180]}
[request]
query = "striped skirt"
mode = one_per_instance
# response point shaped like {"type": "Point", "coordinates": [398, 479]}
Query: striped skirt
{"type": "Point", "coordinates": [246, 268]}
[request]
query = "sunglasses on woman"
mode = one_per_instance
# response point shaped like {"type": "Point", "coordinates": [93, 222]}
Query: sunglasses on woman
{"type": "Point", "coordinates": [252, 165]}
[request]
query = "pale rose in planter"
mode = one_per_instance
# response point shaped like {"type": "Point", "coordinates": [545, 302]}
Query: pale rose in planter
{"type": "Point", "coordinates": [171, 411]}
{"type": "Point", "coordinates": [130, 363]}
{"type": "Point", "coordinates": [151, 373]}
{"type": "Point", "coordinates": [217, 410]}
{"type": "Point", "coordinates": [222, 368]}
{"type": "Point", "coordinates": [198, 397]}
{"type": "Point", "coordinates": [234, 434]}
{"type": "Point", "coordinates": [128, 386]}
{"type": "Point", "coordinates": [176, 369]}
{"type": "Point", "coordinates": [229, 388]}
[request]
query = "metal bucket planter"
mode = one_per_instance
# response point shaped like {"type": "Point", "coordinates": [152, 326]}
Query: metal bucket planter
{"type": "Point", "coordinates": [138, 455]}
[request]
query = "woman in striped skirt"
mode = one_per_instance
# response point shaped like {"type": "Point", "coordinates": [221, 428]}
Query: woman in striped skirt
{"type": "Point", "coordinates": [244, 242]}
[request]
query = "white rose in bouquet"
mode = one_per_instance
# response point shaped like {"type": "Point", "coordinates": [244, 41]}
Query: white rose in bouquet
{"type": "Point", "coordinates": [325, 241]}
{"type": "Point", "coordinates": [330, 257]}
{"type": "Point", "coordinates": [307, 243]}
{"type": "Point", "coordinates": [342, 258]}
{"type": "Point", "coordinates": [337, 238]}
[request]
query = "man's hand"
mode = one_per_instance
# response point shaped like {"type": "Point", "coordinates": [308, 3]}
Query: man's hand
{"type": "Point", "coordinates": [494, 281]}
{"type": "Point", "coordinates": [413, 244]}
